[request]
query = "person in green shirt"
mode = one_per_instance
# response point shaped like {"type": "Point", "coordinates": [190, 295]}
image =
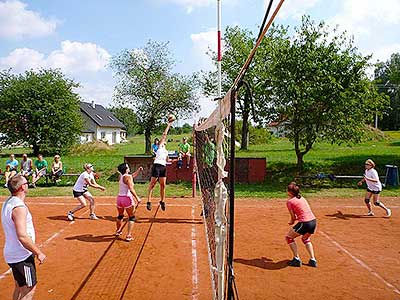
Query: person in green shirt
{"type": "Point", "coordinates": [184, 151]}
{"type": "Point", "coordinates": [209, 152]}
{"type": "Point", "coordinates": [40, 169]}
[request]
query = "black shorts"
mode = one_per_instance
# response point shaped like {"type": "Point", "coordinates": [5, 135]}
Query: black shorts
{"type": "Point", "coordinates": [373, 192]}
{"type": "Point", "coordinates": [305, 227]}
{"type": "Point", "coordinates": [158, 171]}
{"type": "Point", "coordinates": [78, 194]}
{"type": "Point", "coordinates": [25, 272]}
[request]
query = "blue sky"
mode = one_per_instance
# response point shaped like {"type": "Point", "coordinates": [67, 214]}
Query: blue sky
{"type": "Point", "coordinates": [79, 37]}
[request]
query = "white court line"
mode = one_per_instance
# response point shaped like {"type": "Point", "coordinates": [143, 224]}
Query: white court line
{"type": "Point", "coordinates": [55, 235]}
{"type": "Point", "coordinates": [361, 263]}
{"type": "Point", "coordinates": [195, 271]}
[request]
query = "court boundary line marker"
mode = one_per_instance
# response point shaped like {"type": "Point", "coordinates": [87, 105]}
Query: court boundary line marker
{"type": "Point", "coordinates": [360, 262]}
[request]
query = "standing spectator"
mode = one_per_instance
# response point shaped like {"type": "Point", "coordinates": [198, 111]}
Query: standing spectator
{"type": "Point", "coordinates": [19, 248]}
{"type": "Point", "coordinates": [155, 146]}
{"type": "Point", "coordinates": [184, 151]}
{"type": "Point", "coordinates": [56, 169]}
{"type": "Point", "coordinates": [11, 168]}
{"type": "Point", "coordinates": [40, 169]}
{"type": "Point", "coordinates": [81, 193]}
{"type": "Point", "coordinates": [26, 166]}
{"type": "Point", "coordinates": [374, 187]}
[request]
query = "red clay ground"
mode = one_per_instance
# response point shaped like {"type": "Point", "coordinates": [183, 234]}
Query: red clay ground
{"type": "Point", "coordinates": [359, 257]}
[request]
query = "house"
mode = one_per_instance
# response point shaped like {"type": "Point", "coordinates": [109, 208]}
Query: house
{"type": "Point", "coordinates": [100, 124]}
{"type": "Point", "coordinates": [278, 129]}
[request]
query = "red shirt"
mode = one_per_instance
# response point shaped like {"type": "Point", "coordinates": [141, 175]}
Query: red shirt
{"type": "Point", "coordinates": [301, 209]}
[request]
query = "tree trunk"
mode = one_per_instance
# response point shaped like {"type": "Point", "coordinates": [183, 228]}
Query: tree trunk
{"type": "Point", "coordinates": [299, 154]}
{"type": "Point", "coordinates": [147, 138]}
{"type": "Point", "coordinates": [35, 149]}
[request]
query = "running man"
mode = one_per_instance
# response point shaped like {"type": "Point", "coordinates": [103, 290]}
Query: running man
{"type": "Point", "coordinates": [127, 199]}
{"type": "Point", "coordinates": [19, 248]}
{"type": "Point", "coordinates": [374, 187]}
{"type": "Point", "coordinates": [81, 193]}
{"type": "Point", "coordinates": [159, 170]}
{"type": "Point", "coordinates": [300, 210]}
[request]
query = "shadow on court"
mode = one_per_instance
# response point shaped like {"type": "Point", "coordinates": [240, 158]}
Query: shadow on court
{"type": "Point", "coordinates": [64, 218]}
{"type": "Point", "coordinates": [342, 216]}
{"type": "Point", "coordinates": [90, 238]}
{"type": "Point", "coordinates": [170, 220]}
{"type": "Point", "coordinates": [263, 263]}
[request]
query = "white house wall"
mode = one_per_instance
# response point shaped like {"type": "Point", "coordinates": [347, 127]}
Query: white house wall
{"type": "Point", "coordinates": [108, 134]}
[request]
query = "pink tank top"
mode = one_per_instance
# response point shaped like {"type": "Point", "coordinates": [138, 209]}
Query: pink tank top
{"type": "Point", "coordinates": [301, 209]}
{"type": "Point", "coordinates": [123, 188]}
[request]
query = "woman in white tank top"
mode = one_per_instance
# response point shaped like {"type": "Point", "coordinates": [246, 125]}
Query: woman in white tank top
{"type": "Point", "coordinates": [127, 199]}
{"type": "Point", "coordinates": [159, 170]}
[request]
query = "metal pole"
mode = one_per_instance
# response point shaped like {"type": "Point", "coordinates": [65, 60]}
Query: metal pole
{"type": "Point", "coordinates": [219, 48]}
{"type": "Point", "coordinates": [231, 196]}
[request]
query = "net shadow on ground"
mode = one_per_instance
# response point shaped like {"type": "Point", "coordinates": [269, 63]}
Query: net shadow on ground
{"type": "Point", "coordinates": [170, 220]}
{"type": "Point", "coordinates": [263, 263]}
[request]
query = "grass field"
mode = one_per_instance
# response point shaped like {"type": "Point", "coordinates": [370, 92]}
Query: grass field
{"type": "Point", "coordinates": [281, 167]}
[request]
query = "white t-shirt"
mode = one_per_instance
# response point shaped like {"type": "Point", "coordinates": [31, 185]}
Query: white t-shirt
{"type": "Point", "coordinates": [373, 186]}
{"type": "Point", "coordinates": [80, 184]}
{"type": "Point", "coordinates": [14, 251]}
{"type": "Point", "coordinates": [161, 156]}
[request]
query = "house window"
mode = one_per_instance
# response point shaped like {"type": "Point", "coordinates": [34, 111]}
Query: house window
{"type": "Point", "coordinates": [114, 137]}
{"type": "Point", "coordinates": [111, 118]}
{"type": "Point", "coordinates": [99, 117]}
{"type": "Point", "coordinates": [103, 135]}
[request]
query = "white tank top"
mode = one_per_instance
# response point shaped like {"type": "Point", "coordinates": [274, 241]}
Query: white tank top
{"type": "Point", "coordinates": [161, 156]}
{"type": "Point", "coordinates": [26, 165]}
{"type": "Point", "coordinates": [80, 184]}
{"type": "Point", "coordinates": [14, 251]}
{"type": "Point", "coordinates": [123, 188]}
{"type": "Point", "coordinates": [373, 186]}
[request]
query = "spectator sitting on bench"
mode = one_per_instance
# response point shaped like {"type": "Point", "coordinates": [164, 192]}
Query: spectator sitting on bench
{"type": "Point", "coordinates": [184, 151]}
{"type": "Point", "coordinates": [40, 169]}
{"type": "Point", "coordinates": [56, 169]}
{"type": "Point", "coordinates": [11, 168]}
{"type": "Point", "coordinates": [26, 166]}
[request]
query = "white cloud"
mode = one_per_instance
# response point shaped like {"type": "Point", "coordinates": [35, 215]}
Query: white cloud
{"type": "Point", "coordinates": [190, 5]}
{"type": "Point", "coordinates": [364, 17]}
{"type": "Point", "coordinates": [383, 53]}
{"type": "Point", "coordinates": [293, 8]}
{"type": "Point", "coordinates": [99, 92]}
{"type": "Point", "coordinates": [72, 58]}
{"type": "Point", "coordinates": [202, 42]}
{"type": "Point", "coordinates": [18, 22]}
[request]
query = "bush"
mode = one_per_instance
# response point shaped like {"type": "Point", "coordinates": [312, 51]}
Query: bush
{"type": "Point", "coordinates": [90, 148]}
{"type": "Point", "coordinates": [257, 134]}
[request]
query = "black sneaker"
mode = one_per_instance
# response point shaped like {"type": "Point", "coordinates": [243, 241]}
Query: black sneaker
{"type": "Point", "coordinates": [312, 263]}
{"type": "Point", "coordinates": [148, 205]}
{"type": "Point", "coordinates": [295, 262]}
{"type": "Point", "coordinates": [162, 204]}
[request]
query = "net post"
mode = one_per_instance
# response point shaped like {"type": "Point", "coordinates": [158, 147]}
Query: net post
{"type": "Point", "coordinates": [230, 294]}
{"type": "Point", "coordinates": [194, 172]}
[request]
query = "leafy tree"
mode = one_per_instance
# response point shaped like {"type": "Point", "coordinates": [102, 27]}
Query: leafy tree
{"type": "Point", "coordinates": [39, 108]}
{"type": "Point", "coordinates": [128, 117]}
{"type": "Point", "coordinates": [387, 78]}
{"type": "Point", "coordinates": [319, 85]}
{"type": "Point", "coordinates": [148, 85]}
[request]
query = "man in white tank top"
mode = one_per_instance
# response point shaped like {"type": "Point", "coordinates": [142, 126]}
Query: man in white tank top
{"type": "Point", "coordinates": [19, 248]}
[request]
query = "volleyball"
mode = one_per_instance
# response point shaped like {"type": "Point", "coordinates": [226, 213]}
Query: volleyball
{"type": "Point", "coordinates": [171, 118]}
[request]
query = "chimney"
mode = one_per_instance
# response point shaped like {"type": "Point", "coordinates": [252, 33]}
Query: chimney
{"type": "Point", "coordinates": [93, 105]}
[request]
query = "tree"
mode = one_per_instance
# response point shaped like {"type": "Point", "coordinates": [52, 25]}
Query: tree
{"type": "Point", "coordinates": [147, 84]}
{"type": "Point", "coordinates": [320, 87]}
{"type": "Point", "coordinates": [128, 117]}
{"type": "Point", "coordinates": [387, 78]}
{"type": "Point", "coordinates": [39, 108]}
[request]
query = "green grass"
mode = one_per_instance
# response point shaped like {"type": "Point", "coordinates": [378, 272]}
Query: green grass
{"type": "Point", "coordinates": [281, 168]}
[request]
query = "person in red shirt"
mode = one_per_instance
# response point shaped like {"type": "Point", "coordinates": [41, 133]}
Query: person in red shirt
{"type": "Point", "coordinates": [306, 223]}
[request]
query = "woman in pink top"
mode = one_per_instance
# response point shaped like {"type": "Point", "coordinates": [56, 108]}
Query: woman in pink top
{"type": "Point", "coordinates": [300, 210]}
{"type": "Point", "coordinates": [127, 199]}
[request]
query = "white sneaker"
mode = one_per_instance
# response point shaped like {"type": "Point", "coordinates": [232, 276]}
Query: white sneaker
{"type": "Point", "coordinates": [388, 213]}
{"type": "Point", "coordinates": [370, 213]}
{"type": "Point", "coordinates": [93, 217]}
{"type": "Point", "coordinates": [70, 216]}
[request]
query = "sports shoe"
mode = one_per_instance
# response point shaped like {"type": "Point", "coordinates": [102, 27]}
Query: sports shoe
{"type": "Point", "coordinates": [129, 238]}
{"type": "Point", "coordinates": [118, 233]}
{"type": "Point", "coordinates": [93, 217]}
{"type": "Point", "coordinates": [162, 204]}
{"type": "Point", "coordinates": [388, 213]}
{"type": "Point", "coordinates": [70, 216]}
{"type": "Point", "coordinates": [5, 185]}
{"type": "Point", "coordinates": [312, 263]}
{"type": "Point", "coordinates": [370, 213]}
{"type": "Point", "coordinates": [148, 205]}
{"type": "Point", "coordinates": [295, 262]}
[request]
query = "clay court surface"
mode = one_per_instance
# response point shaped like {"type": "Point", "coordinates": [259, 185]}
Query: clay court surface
{"type": "Point", "coordinates": [359, 257]}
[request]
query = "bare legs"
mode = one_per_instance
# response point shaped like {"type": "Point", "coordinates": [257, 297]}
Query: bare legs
{"type": "Point", "coordinates": [23, 292]}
